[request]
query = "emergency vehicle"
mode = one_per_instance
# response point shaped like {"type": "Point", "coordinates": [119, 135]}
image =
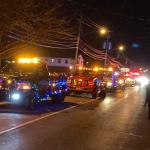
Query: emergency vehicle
{"type": "Point", "coordinates": [86, 83]}
{"type": "Point", "coordinates": [114, 79]}
{"type": "Point", "coordinates": [27, 81]}
{"type": "Point", "coordinates": [129, 79]}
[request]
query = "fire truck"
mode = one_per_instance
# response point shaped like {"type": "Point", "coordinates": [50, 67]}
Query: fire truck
{"type": "Point", "coordinates": [27, 81]}
{"type": "Point", "coordinates": [129, 79]}
{"type": "Point", "coordinates": [86, 83]}
{"type": "Point", "coordinates": [114, 80]}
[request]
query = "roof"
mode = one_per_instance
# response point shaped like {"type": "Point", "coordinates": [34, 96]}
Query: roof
{"type": "Point", "coordinates": [44, 52]}
{"type": "Point", "coordinates": [58, 53]}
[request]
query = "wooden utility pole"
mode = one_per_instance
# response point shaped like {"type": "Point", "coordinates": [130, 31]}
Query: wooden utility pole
{"type": "Point", "coordinates": [78, 42]}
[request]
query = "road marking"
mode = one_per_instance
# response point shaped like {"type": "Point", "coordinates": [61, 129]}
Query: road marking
{"type": "Point", "coordinates": [43, 117]}
{"type": "Point", "coordinates": [4, 103]}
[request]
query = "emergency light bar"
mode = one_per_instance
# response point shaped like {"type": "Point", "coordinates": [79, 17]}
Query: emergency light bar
{"type": "Point", "coordinates": [29, 60]}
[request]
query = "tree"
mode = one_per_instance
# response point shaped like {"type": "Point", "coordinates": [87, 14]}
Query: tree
{"type": "Point", "coordinates": [37, 22]}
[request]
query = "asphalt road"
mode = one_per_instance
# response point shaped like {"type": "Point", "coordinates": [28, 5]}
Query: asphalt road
{"type": "Point", "coordinates": [119, 122]}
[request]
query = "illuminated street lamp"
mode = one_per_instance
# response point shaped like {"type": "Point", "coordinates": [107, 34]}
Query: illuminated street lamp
{"type": "Point", "coordinates": [121, 48]}
{"type": "Point", "coordinates": [105, 32]}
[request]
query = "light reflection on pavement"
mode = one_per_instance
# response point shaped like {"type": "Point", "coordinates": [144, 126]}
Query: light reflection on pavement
{"type": "Point", "coordinates": [117, 122]}
{"type": "Point", "coordinates": [12, 116]}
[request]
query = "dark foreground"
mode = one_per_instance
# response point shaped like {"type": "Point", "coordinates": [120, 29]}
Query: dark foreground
{"type": "Point", "coordinates": [119, 122]}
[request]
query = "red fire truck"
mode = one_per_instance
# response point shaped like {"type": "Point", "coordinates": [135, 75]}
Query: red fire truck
{"type": "Point", "coordinates": [79, 84]}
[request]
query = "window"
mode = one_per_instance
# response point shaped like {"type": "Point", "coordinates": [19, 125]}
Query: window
{"type": "Point", "coordinates": [59, 61]}
{"type": "Point", "coordinates": [52, 60]}
{"type": "Point", "coordinates": [66, 61]}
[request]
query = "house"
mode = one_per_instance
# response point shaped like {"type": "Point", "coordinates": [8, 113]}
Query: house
{"type": "Point", "coordinates": [61, 64]}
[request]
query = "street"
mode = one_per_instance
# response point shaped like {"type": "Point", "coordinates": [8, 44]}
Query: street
{"type": "Point", "coordinates": [117, 122]}
{"type": "Point", "coordinates": [74, 75]}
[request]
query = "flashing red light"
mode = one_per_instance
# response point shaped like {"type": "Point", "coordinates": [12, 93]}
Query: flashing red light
{"type": "Point", "coordinates": [136, 72]}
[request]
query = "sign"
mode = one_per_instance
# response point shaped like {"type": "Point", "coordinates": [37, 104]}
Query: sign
{"type": "Point", "coordinates": [107, 46]}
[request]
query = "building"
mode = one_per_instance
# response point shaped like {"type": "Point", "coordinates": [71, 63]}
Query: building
{"type": "Point", "coordinates": [61, 64]}
{"type": "Point", "coordinates": [58, 62]}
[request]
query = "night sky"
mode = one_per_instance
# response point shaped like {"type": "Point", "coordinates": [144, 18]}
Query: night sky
{"type": "Point", "coordinates": [128, 20]}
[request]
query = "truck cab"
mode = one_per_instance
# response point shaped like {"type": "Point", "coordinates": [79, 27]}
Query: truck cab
{"type": "Point", "coordinates": [27, 81]}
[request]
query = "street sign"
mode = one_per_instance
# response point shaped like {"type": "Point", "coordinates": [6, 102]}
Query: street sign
{"type": "Point", "coordinates": [107, 46]}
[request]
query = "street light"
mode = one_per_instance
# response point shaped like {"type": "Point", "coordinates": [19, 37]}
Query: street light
{"type": "Point", "coordinates": [121, 48]}
{"type": "Point", "coordinates": [105, 32]}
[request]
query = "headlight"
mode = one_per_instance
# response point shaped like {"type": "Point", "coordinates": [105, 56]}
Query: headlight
{"type": "Point", "coordinates": [143, 80]}
{"type": "Point", "coordinates": [53, 84]}
{"type": "Point", "coordinates": [109, 83]}
{"type": "Point", "coordinates": [15, 96]}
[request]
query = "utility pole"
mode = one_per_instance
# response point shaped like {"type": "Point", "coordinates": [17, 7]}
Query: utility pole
{"type": "Point", "coordinates": [78, 42]}
{"type": "Point", "coordinates": [107, 48]}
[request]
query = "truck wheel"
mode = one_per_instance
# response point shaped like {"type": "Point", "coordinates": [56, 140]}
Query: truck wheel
{"type": "Point", "coordinates": [62, 98]}
{"type": "Point", "coordinates": [54, 98]}
{"type": "Point", "coordinates": [94, 95]}
{"type": "Point", "coordinates": [68, 93]}
{"type": "Point", "coordinates": [102, 94]}
{"type": "Point", "coordinates": [29, 103]}
{"type": "Point", "coordinates": [3, 96]}
{"type": "Point", "coordinates": [58, 98]}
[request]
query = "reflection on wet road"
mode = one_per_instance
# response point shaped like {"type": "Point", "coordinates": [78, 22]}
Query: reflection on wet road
{"type": "Point", "coordinates": [117, 122]}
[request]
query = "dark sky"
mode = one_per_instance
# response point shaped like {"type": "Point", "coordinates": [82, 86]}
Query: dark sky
{"type": "Point", "coordinates": [129, 21]}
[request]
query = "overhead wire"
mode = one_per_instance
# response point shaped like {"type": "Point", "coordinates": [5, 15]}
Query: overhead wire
{"type": "Point", "coordinates": [40, 44]}
{"type": "Point", "coordinates": [18, 36]}
{"type": "Point", "coordinates": [65, 41]}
